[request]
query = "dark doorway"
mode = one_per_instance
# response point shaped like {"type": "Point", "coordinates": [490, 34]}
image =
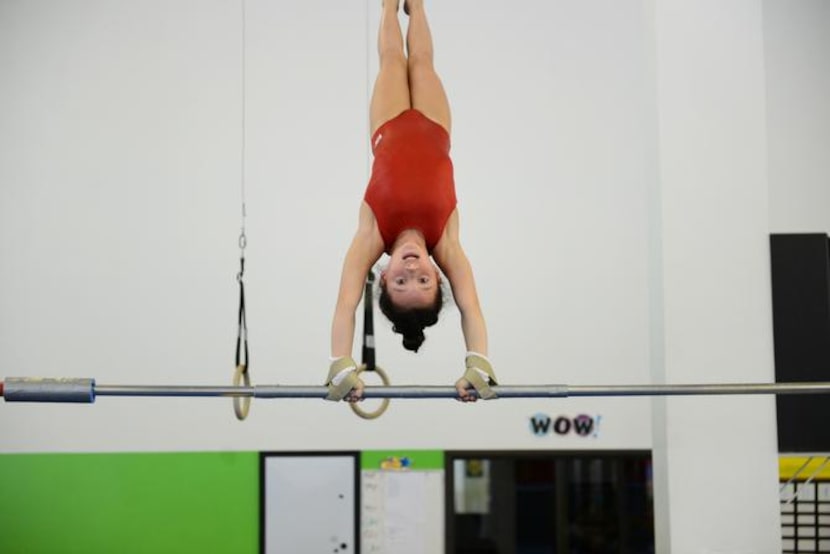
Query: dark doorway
{"type": "Point", "coordinates": [546, 503]}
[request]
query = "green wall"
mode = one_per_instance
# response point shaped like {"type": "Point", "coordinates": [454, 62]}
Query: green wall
{"type": "Point", "coordinates": [417, 459]}
{"type": "Point", "coordinates": [129, 503]}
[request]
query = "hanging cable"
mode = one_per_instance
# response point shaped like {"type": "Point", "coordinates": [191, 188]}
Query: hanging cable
{"type": "Point", "coordinates": [242, 376]}
{"type": "Point", "coordinates": [243, 92]}
{"type": "Point", "coordinates": [368, 355]}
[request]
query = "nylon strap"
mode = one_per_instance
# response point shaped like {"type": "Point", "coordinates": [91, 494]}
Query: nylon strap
{"type": "Point", "coordinates": [368, 354]}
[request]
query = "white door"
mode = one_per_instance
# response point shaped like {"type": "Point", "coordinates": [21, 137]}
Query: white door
{"type": "Point", "coordinates": [310, 504]}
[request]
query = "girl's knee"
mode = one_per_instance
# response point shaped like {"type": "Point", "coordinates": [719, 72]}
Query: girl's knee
{"type": "Point", "coordinates": [420, 62]}
{"type": "Point", "coordinates": [393, 59]}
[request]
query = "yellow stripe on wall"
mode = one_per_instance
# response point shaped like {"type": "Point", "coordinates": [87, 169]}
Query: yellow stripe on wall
{"type": "Point", "coordinates": [789, 465]}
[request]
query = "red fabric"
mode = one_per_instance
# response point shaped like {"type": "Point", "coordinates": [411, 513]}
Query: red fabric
{"type": "Point", "coordinates": [412, 185]}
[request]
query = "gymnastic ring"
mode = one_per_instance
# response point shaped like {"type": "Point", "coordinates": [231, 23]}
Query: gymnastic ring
{"type": "Point", "coordinates": [241, 406]}
{"type": "Point", "coordinates": [383, 405]}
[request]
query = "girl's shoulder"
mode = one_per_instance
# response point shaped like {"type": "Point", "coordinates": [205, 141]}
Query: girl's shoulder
{"type": "Point", "coordinates": [448, 246]}
{"type": "Point", "coordinates": [367, 229]}
{"type": "Point", "coordinates": [366, 219]}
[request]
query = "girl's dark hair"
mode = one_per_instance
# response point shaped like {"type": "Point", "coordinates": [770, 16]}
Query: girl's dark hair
{"type": "Point", "coordinates": [410, 322]}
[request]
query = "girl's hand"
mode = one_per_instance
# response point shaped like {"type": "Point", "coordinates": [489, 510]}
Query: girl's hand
{"type": "Point", "coordinates": [465, 391]}
{"type": "Point", "coordinates": [343, 382]}
{"type": "Point", "coordinates": [479, 375]}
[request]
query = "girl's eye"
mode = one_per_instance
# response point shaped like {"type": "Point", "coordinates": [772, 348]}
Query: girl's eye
{"type": "Point", "coordinates": [399, 281]}
{"type": "Point", "coordinates": [424, 280]}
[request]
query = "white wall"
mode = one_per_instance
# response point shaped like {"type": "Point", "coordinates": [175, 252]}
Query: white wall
{"type": "Point", "coordinates": [121, 201]}
{"type": "Point", "coordinates": [796, 42]}
{"type": "Point", "coordinates": [716, 313]}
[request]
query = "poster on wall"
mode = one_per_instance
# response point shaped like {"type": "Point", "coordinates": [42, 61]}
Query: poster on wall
{"type": "Point", "coordinates": [402, 502]}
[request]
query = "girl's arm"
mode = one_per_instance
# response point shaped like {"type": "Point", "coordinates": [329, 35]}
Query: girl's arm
{"type": "Point", "coordinates": [364, 251]}
{"type": "Point", "coordinates": [450, 257]}
{"type": "Point", "coordinates": [454, 263]}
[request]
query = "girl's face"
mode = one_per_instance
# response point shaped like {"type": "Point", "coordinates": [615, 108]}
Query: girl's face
{"type": "Point", "coordinates": [411, 279]}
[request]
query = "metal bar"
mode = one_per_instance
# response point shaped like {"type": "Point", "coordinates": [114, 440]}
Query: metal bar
{"type": "Point", "coordinates": [85, 390]}
{"type": "Point", "coordinates": [292, 391]}
{"type": "Point", "coordinates": [704, 390]}
{"type": "Point", "coordinates": [17, 389]}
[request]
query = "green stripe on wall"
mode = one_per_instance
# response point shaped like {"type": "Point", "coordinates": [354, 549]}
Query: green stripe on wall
{"type": "Point", "coordinates": [129, 503]}
{"type": "Point", "coordinates": [418, 459]}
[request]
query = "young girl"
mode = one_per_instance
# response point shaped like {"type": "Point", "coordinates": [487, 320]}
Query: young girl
{"type": "Point", "coordinates": [409, 211]}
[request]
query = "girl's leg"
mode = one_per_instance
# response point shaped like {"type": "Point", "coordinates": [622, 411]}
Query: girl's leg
{"type": "Point", "coordinates": [425, 86]}
{"type": "Point", "coordinates": [390, 96]}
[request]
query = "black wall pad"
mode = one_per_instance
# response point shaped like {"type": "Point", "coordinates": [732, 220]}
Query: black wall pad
{"type": "Point", "coordinates": [801, 326]}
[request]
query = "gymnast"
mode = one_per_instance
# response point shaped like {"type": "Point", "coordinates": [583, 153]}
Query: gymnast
{"type": "Point", "coordinates": [409, 212]}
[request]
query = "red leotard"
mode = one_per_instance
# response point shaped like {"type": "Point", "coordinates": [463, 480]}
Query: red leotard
{"type": "Point", "coordinates": [412, 185]}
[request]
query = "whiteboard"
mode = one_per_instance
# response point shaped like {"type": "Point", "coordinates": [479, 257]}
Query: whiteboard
{"type": "Point", "coordinates": [309, 503]}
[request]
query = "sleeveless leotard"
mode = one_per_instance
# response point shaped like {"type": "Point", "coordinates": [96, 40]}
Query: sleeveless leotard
{"type": "Point", "coordinates": [412, 184]}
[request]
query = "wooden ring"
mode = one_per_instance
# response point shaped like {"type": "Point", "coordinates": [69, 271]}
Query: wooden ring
{"type": "Point", "coordinates": [383, 405]}
{"type": "Point", "coordinates": [241, 406]}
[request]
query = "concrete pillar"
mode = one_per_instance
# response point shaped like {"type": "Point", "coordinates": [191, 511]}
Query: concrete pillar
{"type": "Point", "coordinates": [715, 459]}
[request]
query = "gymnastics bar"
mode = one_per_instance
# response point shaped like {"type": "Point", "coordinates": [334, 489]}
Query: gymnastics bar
{"type": "Point", "coordinates": [18, 389]}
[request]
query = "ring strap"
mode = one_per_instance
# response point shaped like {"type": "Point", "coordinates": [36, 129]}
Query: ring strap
{"type": "Point", "coordinates": [368, 353]}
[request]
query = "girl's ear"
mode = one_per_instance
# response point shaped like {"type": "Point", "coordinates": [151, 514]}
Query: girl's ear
{"type": "Point", "coordinates": [383, 277]}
